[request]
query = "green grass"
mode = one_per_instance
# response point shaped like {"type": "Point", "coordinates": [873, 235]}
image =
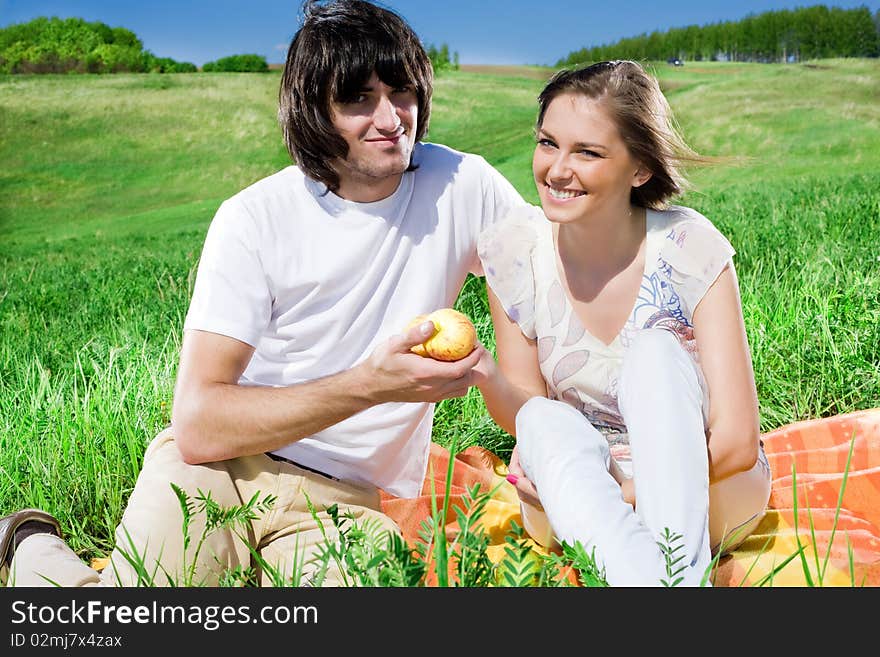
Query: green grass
{"type": "Point", "coordinates": [109, 183]}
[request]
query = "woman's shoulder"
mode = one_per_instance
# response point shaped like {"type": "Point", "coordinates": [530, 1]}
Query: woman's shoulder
{"type": "Point", "coordinates": [684, 229]}
{"type": "Point", "coordinates": [679, 217]}
{"type": "Point", "coordinates": [506, 252]}
{"type": "Point", "coordinates": [690, 244]}
{"type": "Point", "coordinates": [515, 232]}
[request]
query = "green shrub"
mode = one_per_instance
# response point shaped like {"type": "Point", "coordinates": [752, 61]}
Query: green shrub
{"type": "Point", "coordinates": [72, 45]}
{"type": "Point", "coordinates": [238, 64]}
{"type": "Point", "coordinates": [153, 64]}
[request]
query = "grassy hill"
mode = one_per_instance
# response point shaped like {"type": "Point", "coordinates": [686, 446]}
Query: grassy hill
{"type": "Point", "coordinates": [109, 183]}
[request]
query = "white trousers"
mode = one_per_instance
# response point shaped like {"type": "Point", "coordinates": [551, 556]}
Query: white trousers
{"type": "Point", "coordinates": [662, 402]}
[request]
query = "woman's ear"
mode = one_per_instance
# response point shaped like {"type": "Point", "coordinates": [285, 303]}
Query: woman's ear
{"type": "Point", "coordinates": [641, 176]}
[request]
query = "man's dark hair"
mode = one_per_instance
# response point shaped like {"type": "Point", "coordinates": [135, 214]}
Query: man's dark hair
{"type": "Point", "coordinates": [331, 57]}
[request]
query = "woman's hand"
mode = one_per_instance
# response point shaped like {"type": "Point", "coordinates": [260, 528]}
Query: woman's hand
{"type": "Point", "coordinates": [524, 487]}
{"type": "Point", "coordinates": [628, 490]}
{"type": "Point", "coordinates": [627, 486]}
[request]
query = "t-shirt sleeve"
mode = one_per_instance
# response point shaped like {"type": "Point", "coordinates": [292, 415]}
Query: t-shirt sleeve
{"type": "Point", "coordinates": [505, 249]}
{"type": "Point", "coordinates": [499, 198]}
{"type": "Point", "coordinates": [696, 253]}
{"type": "Point", "coordinates": [231, 295]}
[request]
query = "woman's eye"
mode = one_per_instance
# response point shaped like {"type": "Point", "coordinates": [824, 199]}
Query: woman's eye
{"type": "Point", "coordinates": [545, 142]}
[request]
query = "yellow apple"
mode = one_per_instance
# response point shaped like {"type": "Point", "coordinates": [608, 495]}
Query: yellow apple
{"type": "Point", "coordinates": [454, 335]}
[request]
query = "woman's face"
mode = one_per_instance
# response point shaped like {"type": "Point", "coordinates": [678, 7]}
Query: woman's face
{"type": "Point", "coordinates": [581, 164]}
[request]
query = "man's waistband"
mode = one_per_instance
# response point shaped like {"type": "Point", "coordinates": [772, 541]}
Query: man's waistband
{"type": "Point", "coordinates": [276, 457]}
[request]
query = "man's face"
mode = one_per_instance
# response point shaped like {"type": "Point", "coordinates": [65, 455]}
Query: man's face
{"type": "Point", "coordinates": [379, 127]}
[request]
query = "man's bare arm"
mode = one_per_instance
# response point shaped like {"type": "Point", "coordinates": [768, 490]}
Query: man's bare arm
{"type": "Point", "coordinates": [216, 419]}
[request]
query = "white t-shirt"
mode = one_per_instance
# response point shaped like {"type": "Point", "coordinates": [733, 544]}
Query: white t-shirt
{"type": "Point", "coordinates": [684, 255]}
{"type": "Point", "coordinates": [315, 282]}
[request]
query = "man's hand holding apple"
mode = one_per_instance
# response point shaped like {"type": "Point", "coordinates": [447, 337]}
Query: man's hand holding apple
{"type": "Point", "coordinates": [396, 373]}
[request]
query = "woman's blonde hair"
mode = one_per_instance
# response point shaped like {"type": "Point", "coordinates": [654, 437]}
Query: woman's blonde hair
{"type": "Point", "coordinates": [643, 117]}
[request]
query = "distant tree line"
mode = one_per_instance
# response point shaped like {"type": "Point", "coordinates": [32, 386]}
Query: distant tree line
{"type": "Point", "coordinates": [787, 35]}
{"type": "Point", "coordinates": [238, 63]}
{"type": "Point", "coordinates": [440, 58]}
{"type": "Point", "coordinates": [73, 45]}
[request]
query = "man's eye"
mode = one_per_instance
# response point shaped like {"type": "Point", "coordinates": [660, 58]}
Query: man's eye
{"type": "Point", "coordinates": [353, 100]}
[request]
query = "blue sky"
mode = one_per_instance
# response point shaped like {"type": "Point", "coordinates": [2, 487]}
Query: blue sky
{"type": "Point", "coordinates": [481, 31]}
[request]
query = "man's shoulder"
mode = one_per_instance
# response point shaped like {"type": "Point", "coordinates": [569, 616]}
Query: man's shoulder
{"type": "Point", "coordinates": [441, 157]}
{"type": "Point", "coordinates": [264, 200]}
{"type": "Point", "coordinates": [278, 183]}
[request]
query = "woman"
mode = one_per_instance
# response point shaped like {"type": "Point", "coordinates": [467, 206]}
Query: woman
{"type": "Point", "coordinates": [623, 364]}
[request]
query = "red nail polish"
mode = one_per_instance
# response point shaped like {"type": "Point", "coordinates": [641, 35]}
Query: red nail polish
{"type": "Point", "coordinates": [512, 478]}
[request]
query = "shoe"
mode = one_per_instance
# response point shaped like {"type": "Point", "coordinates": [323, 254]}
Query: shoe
{"type": "Point", "coordinates": [13, 521]}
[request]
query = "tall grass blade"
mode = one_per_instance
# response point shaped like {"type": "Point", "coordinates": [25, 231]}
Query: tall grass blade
{"type": "Point", "coordinates": [801, 547]}
{"type": "Point", "coordinates": [852, 444]}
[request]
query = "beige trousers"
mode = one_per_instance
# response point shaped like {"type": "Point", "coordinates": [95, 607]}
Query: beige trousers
{"type": "Point", "coordinates": [286, 537]}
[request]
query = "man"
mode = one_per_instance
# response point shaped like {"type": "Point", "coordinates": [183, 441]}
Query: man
{"type": "Point", "coordinates": [294, 380]}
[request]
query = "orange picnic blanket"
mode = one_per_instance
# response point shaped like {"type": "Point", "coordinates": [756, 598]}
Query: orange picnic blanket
{"type": "Point", "coordinates": [828, 541]}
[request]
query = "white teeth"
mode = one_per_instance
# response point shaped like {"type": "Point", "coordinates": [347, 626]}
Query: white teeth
{"type": "Point", "coordinates": [562, 194]}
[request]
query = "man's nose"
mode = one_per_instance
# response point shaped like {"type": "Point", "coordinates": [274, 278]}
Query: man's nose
{"type": "Point", "coordinates": [385, 116]}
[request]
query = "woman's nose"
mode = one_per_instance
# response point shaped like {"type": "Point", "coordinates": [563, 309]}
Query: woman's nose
{"type": "Point", "coordinates": [559, 168]}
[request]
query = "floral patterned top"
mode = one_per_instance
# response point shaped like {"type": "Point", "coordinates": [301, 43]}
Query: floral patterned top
{"type": "Point", "coordinates": [684, 254]}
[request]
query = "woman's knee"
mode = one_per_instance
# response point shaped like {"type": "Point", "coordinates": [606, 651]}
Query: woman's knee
{"type": "Point", "coordinates": [554, 427]}
{"type": "Point", "coordinates": [657, 366]}
{"type": "Point", "coordinates": [530, 414]}
{"type": "Point", "coordinates": [539, 415]}
{"type": "Point", "coordinates": [653, 346]}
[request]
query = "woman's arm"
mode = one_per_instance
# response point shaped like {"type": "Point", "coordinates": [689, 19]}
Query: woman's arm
{"type": "Point", "coordinates": [733, 432]}
{"type": "Point", "coordinates": [510, 383]}
{"type": "Point", "coordinates": [516, 377]}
